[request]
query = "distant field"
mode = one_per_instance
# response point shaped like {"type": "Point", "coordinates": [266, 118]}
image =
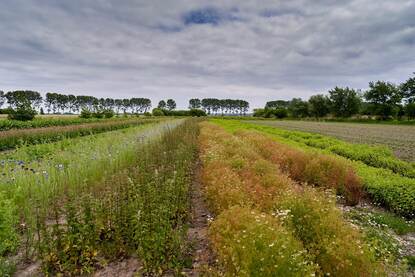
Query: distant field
{"type": "Point", "coordinates": [401, 139]}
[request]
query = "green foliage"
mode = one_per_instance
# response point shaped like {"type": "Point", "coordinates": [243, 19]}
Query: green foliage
{"type": "Point", "coordinates": [319, 105]}
{"type": "Point", "coordinates": [379, 219]}
{"type": "Point", "coordinates": [195, 104]}
{"type": "Point", "coordinates": [278, 104]}
{"type": "Point", "coordinates": [271, 112]}
{"type": "Point", "coordinates": [408, 90]}
{"type": "Point", "coordinates": [162, 105]}
{"type": "Point", "coordinates": [16, 138]}
{"type": "Point", "coordinates": [383, 97]}
{"type": "Point", "coordinates": [298, 108]}
{"type": "Point", "coordinates": [171, 104]}
{"type": "Point", "coordinates": [410, 110]}
{"type": "Point", "coordinates": [85, 113]}
{"type": "Point", "coordinates": [23, 112]}
{"type": "Point", "coordinates": [411, 261]}
{"type": "Point", "coordinates": [345, 102]}
{"type": "Point", "coordinates": [250, 243]}
{"type": "Point", "coordinates": [108, 113]}
{"type": "Point", "coordinates": [96, 200]}
{"type": "Point", "coordinates": [8, 236]}
{"type": "Point", "coordinates": [385, 187]}
{"type": "Point", "coordinates": [197, 112]}
{"type": "Point", "coordinates": [158, 112]}
{"type": "Point", "coordinates": [7, 268]}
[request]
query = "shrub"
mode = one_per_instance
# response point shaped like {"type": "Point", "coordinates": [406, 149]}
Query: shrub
{"type": "Point", "coordinates": [85, 113]}
{"type": "Point", "coordinates": [250, 243]}
{"type": "Point", "coordinates": [23, 113]}
{"type": "Point", "coordinates": [280, 113]}
{"type": "Point", "coordinates": [98, 114]}
{"type": "Point", "coordinates": [147, 114]}
{"type": "Point", "coordinates": [108, 113]}
{"type": "Point", "coordinates": [197, 112]}
{"type": "Point", "coordinates": [158, 112]}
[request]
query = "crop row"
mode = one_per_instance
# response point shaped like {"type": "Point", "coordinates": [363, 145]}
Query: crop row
{"type": "Point", "coordinates": [48, 122]}
{"type": "Point", "coordinates": [375, 156]}
{"type": "Point", "coordinates": [268, 225]}
{"type": "Point", "coordinates": [385, 187]}
{"type": "Point", "coordinates": [98, 201]}
{"type": "Point", "coordinates": [14, 138]}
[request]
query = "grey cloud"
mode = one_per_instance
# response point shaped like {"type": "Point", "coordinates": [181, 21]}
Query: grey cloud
{"type": "Point", "coordinates": [276, 49]}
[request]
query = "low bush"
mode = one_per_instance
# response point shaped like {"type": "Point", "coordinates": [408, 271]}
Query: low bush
{"type": "Point", "coordinates": [158, 112]}
{"type": "Point", "coordinates": [22, 113]}
{"type": "Point", "coordinates": [85, 114]}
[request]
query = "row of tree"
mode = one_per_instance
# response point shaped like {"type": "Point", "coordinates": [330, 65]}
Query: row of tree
{"type": "Point", "coordinates": [61, 103]}
{"type": "Point", "coordinates": [68, 103]}
{"type": "Point", "coordinates": [220, 106]}
{"type": "Point", "coordinates": [382, 99]}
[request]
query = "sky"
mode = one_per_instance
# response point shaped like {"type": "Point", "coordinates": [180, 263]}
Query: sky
{"type": "Point", "coordinates": [181, 49]}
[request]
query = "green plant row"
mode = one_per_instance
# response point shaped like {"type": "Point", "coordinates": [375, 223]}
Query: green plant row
{"type": "Point", "coordinates": [385, 187]}
{"type": "Point", "coordinates": [143, 210]}
{"type": "Point", "coordinates": [16, 138]}
{"type": "Point", "coordinates": [31, 189]}
{"type": "Point", "coordinates": [376, 156]}
{"type": "Point", "coordinates": [97, 200]}
{"type": "Point", "coordinates": [40, 122]}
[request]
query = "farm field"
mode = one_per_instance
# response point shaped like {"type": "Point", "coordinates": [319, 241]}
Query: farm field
{"type": "Point", "coordinates": [400, 138]}
{"type": "Point", "coordinates": [194, 197]}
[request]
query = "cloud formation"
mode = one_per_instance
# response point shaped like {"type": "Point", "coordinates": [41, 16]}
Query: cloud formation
{"type": "Point", "coordinates": [255, 50]}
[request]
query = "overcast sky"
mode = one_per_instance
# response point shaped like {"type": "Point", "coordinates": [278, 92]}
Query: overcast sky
{"type": "Point", "coordinates": [254, 50]}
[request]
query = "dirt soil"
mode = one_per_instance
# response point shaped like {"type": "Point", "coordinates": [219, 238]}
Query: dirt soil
{"type": "Point", "coordinates": [203, 258]}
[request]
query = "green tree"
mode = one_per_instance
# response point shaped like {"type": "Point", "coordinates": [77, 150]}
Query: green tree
{"type": "Point", "coordinates": [384, 98]}
{"type": "Point", "coordinates": [277, 104]}
{"type": "Point", "coordinates": [410, 110]}
{"type": "Point", "coordinates": [19, 98]}
{"type": "Point", "coordinates": [344, 102]}
{"type": "Point", "coordinates": [319, 105]}
{"type": "Point", "coordinates": [162, 104]}
{"type": "Point", "coordinates": [171, 104]}
{"type": "Point", "coordinates": [195, 103]}
{"type": "Point", "coordinates": [2, 98]}
{"type": "Point", "coordinates": [408, 90]}
{"type": "Point", "coordinates": [298, 108]}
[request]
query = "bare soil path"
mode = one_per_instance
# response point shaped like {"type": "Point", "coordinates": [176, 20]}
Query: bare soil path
{"type": "Point", "coordinates": [203, 258]}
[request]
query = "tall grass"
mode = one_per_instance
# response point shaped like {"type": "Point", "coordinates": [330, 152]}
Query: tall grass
{"type": "Point", "coordinates": [99, 200]}
{"type": "Point", "coordinates": [308, 216]}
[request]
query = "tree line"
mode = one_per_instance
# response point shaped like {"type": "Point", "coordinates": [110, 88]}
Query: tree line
{"type": "Point", "coordinates": [220, 106]}
{"type": "Point", "coordinates": [383, 100]}
{"type": "Point", "coordinates": [62, 103]}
